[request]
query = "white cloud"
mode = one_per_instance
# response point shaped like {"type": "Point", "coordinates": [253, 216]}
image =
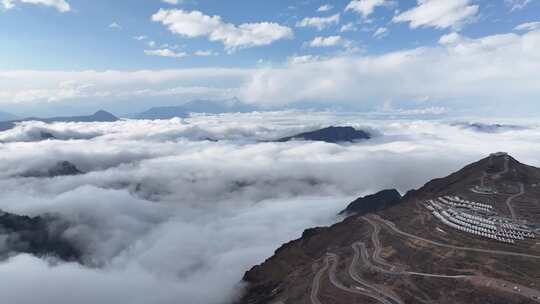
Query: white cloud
{"type": "Point", "coordinates": [325, 8]}
{"type": "Point", "coordinates": [121, 91]}
{"type": "Point", "coordinates": [348, 27]}
{"type": "Point", "coordinates": [329, 41]}
{"type": "Point", "coordinates": [528, 26]}
{"type": "Point", "coordinates": [151, 43]}
{"type": "Point", "coordinates": [140, 38]}
{"type": "Point", "coordinates": [115, 25]}
{"type": "Point", "coordinates": [381, 32]}
{"type": "Point", "coordinates": [162, 209]}
{"type": "Point", "coordinates": [60, 5]}
{"type": "Point", "coordinates": [196, 24]}
{"type": "Point", "coordinates": [367, 7]}
{"type": "Point", "coordinates": [319, 23]}
{"type": "Point", "coordinates": [439, 14]}
{"type": "Point", "coordinates": [303, 59]}
{"type": "Point", "coordinates": [172, 2]}
{"type": "Point", "coordinates": [491, 72]}
{"type": "Point", "coordinates": [517, 4]}
{"type": "Point", "coordinates": [165, 53]}
{"type": "Point", "coordinates": [451, 38]}
{"type": "Point", "coordinates": [204, 53]}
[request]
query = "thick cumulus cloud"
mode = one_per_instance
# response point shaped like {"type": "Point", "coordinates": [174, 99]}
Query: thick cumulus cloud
{"type": "Point", "coordinates": [196, 24]}
{"type": "Point", "coordinates": [493, 72]}
{"type": "Point", "coordinates": [165, 215]}
{"type": "Point", "coordinates": [470, 73]}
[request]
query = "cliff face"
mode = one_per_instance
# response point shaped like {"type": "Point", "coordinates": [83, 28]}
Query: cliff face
{"type": "Point", "coordinates": [401, 253]}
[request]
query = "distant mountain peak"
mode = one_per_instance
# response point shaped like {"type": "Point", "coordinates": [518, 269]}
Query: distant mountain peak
{"type": "Point", "coordinates": [99, 116]}
{"type": "Point", "coordinates": [103, 115]}
{"type": "Point", "coordinates": [5, 116]}
{"type": "Point", "coordinates": [233, 105]}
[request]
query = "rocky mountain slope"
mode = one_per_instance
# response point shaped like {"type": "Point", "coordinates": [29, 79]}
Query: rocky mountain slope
{"type": "Point", "coordinates": [63, 168]}
{"type": "Point", "coordinates": [40, 236]}
{"type": "Point", "coordinates": [375, 202]}
{"type": "Point", "coordinates": [470, 237]}
{"type": "Point", "coordinates": [331, 135]}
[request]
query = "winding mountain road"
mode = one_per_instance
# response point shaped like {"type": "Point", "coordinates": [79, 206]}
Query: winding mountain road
{"type": "Point", "coordinates": [330, 263]}
{"type": "Point", "coordinates": [483, 179]}
{"type": "Point", "coordinates": [378, 249]}
{"type": "Point", "coordinates": [317, 283]}
{"type": "Point", "coordinates": [365, 258]}
{"type": "Point", "coordinates": [333, 258]}
{"type": "Point", "coordinates": [511, 198]}
{"type": "Point", "coordinates": [505, 169]}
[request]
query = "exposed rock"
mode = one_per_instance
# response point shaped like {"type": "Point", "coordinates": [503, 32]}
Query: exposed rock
{"type": "Point", "coordinates": [46, 135]}
{"type": "Point", "coordinates": [331, 135]}
{"type": "Point", "coordinates": [63, 168]}
{"type": "Point", "coordinates": [40, 236]}
{"type": "Point", "coordinates": [373, 203]}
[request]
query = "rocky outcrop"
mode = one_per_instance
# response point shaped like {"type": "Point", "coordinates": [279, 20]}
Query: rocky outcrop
{"type": "Point", "coordinates": [63, 168]}
{"type": "Point", "coordinates": [331, 135]}
{"type": "Point", "coordinates": [39, 236]}
{"type": "Point", "coordinates": [373, 203]}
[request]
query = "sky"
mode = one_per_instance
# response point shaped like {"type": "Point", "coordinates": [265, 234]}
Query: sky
{"type": "Point", "coordinates": [72, 56]}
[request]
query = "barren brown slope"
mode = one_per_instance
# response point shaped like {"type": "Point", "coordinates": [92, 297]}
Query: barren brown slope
{"type": "Point", "coordinates": [404, 254]}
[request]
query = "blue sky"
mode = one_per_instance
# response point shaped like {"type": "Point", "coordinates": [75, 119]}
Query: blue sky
{"type": "Point", "coordinates": [82, 38]}
{"type": "Point", "coordinates": [130, 36]}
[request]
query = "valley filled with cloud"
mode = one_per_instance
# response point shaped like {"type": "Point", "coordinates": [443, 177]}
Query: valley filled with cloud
{"type": "Point", "coordinates": [177, 210]}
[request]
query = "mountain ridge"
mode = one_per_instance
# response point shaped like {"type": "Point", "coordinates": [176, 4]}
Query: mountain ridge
{"type": "Point", "coordinates": [420, 255]}
{"type": "Point", "coordinates": [196, 106]}
{"type": "Point", "coordinates": [98, 116]}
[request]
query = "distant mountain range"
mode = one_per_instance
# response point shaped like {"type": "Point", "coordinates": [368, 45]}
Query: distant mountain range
{"type": "Point", "coordinates": [488, 128]}
{"type": "Point", "coordinates": [196, 106]}
{"type": "Point", "coordinates": [99, 116]}
{"type": "Point", "coordinates": [331, 135]}
{"type": "Point", "coordinates": [4, 116]}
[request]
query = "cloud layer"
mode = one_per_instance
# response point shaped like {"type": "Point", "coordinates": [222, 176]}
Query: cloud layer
{"type": "Point", "coordinates": [439, 14]}
{"type": "Point", "coordinates": [497, 71]}
{"type": "Point", "coordinates": [60, 5]}
{"type": "Point", "coordinates": [163, 208]}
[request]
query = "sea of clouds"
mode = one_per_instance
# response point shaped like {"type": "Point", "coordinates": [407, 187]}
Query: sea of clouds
{"type": "Point", "coordinates": [175, 211]}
